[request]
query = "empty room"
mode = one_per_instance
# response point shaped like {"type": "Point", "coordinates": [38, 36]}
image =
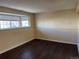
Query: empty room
{"type": "Point", "coordinates": [39, 29]}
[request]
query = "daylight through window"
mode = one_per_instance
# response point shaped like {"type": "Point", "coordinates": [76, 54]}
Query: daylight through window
{"type": "Point", "coordinates": [13, 21]}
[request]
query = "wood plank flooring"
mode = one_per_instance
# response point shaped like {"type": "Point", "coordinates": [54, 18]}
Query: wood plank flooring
{"type": "Point", "coordinates": [41, 49]}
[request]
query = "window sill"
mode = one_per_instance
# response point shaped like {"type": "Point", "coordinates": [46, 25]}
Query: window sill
{"type": "Point", "coordinates": [14, 28]}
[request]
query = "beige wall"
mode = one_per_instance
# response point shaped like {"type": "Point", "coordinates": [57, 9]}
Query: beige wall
{"type": "Point", "coordinates": [78, 38]}
{"type": "Point", "coordinates": [78, 33]}
{"type": "Point", "coordinates": [59, 26]}
{"type": "Point", "coordinates": [15, 37]}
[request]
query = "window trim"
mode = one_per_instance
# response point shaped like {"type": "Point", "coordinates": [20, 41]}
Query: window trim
{"type": "Point", "coordinates": [14, 28]}
{"type": "Point", "coordinates": [20, 27]}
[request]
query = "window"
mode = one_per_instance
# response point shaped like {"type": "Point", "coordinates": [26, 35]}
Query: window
{"type": "Point", "coordinates": [13, 21]}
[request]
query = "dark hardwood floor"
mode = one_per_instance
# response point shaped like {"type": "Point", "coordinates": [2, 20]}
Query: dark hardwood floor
{"type": "Point", "coordinates": [41, 49]}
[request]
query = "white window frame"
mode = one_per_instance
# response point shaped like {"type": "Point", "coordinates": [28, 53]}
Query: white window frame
{"type": "Point", "coordinates": [20, 19]}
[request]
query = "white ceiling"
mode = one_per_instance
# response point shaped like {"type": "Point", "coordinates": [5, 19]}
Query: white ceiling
{"type": "Point", "coordinates": [37, 6]}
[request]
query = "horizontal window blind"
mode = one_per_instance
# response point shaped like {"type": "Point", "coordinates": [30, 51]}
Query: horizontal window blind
{"type": "Point", "coordinates": [13, 21]}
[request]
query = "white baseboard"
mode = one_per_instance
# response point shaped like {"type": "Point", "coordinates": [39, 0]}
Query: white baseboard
{"type": "Point", "coordinates": [58, 41]}
{"type": "Point", "coordinates": [32, 39]}
{"type": "Point", "coordinates": [15, 46]}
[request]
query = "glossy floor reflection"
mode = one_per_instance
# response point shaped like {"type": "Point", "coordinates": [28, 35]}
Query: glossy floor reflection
{"type": "Point", "coordinates": [40, 49]}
